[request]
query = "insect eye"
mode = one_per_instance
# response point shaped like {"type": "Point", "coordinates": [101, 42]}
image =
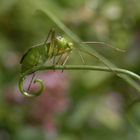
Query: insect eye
{"type": "Point", "coordinates": [59, 37]}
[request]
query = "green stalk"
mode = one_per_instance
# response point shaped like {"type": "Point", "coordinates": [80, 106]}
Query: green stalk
{"type": "Point", "coordinates": [71, 67]}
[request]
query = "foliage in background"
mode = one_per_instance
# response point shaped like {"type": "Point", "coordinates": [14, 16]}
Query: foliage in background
{"type": "Point", "coordinates": [91, 105]}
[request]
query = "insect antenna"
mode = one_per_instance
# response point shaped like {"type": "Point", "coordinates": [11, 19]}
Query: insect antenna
{"type": "Point", "coordinates": [91, 54]}
{"type": "Point", "coordinates": [103, 43]}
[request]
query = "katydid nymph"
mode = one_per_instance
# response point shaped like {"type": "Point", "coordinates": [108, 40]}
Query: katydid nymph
{"type": "Point", "coordinates": [53, 46]}
{"type": "Point", "coordinates": [39, 54]}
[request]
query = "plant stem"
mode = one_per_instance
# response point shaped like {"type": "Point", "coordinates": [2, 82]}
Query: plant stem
{"type": "Point", "coordinates": [117, 71]}
{"type": "Point", "coordinates": [86, 67]}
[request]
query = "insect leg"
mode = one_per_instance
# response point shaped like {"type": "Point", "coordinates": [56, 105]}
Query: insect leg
{"type": "Point", "coordinates": [54, 55]}
{"type": "Point", "coordinates": [31, 82]}
{"type": "Point", "coordinates": [59, 59]}
{"type": "Point", "coordinates": [65, 59]}
{"type": "Point", "coordinates": [53, 49]}
{"type": "Point", "coordinates": [91, 54]}
{"type": "Point", "coordinates": [49, 36]}
{"type": "Point", "coordinates": [82, 59]}
{"type": "Point", "coordinates": [37, 59]}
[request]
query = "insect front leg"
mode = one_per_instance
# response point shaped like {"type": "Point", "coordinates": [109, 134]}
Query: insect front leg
{"type": "Point", "coordinates": [65, 59]}
{"type": "Point", "coordinates": [59, 59]}
{"type": "Point", "coordinates": [98, 58]}
{"type": "Point", "coordinates": [82, 59]}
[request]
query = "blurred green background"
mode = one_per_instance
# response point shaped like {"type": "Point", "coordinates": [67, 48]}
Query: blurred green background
{"type": "Point", "coordinates": [76, 105]}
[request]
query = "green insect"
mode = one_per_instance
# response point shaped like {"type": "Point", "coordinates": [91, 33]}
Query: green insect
{"type": "Point", "coordinates": [54, 46]}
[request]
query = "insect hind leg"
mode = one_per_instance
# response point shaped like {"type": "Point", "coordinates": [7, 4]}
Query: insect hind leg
{"type": "Point", "coordinates": [50, 36]}
{"type": "Point", "coordinates": [33, 76]}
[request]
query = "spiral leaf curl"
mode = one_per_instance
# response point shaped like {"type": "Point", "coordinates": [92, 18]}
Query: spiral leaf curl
{"type": "Point", "coordinates": [27, 94]}
{"type": "Point", "coordinates": [73, 67]}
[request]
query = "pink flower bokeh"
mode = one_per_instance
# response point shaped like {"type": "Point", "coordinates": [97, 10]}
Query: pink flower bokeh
{"type": "Point", "coordinates": [44, 109]}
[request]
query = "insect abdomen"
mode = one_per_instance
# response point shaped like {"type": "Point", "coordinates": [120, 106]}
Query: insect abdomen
{"type": "Point", "coordinates": [34, 57]}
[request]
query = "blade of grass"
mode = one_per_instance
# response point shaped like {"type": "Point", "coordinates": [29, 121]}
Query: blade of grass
{"type": "Point", "coordinates": [42, 5]}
